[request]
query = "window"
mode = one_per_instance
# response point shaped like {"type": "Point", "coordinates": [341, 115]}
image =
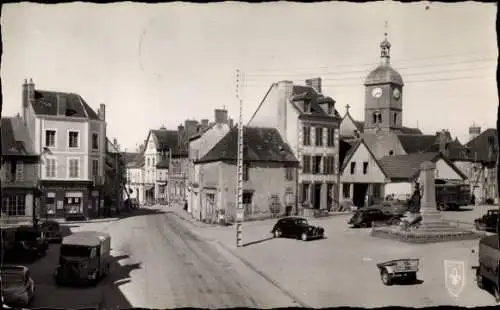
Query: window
{"type": "Point", "coordinates": [306, 164]}
{"type": "Point", "coordinates": [374, 119]}
{"type": "Point", "coordinates": [245, 172]}
{"type": "Point", "coordinates": [346, 190]}
{"type": "Point", "coordinates": [331, 137]}
{"type": "Point", "coordinates": [14, 205]}
{"type": "Point", "coordinates": [74, 171]}
{"type": "Point", "coordinates": [149, 162]}
{"type": "Point", "coordinates": [307, 107]}
{"type": "Point", "coordinates": [307, 135]}
{"type": "Point", "coordinates": [95, 167]}
{"type": "Point", "coordinates": [247, 202]}
{"type": "Point", "coordinates": [95, 141]}
{"type": "Point", "coordinates": [50, 167]}
{"type": "Point", "coordinates": [289, 173]}
{"type": "Point", "coordinates": [50, 204]}
{"type": "Point", "coordinates": [353, 168]}
{"type": "Point", "coordinates": [319, 136]}
{"type": "Point", "coordinates": [305, 191]}
{"type": "Point", "coordinates": [395, 118]}
{"type": "Point", "coordinates": [73, 139]}
{"type": "Point", "coordinates": [50, 138]}
{"type": "Point", "coordinates": [379, 117]}
{"type": "Point", "coordinates": [316, 164]}
{"type": "Point", "coordinates": [19, 171]}
{"type": "Point", "coordinates": [391, 152]}
{"type": "Point", "coordinates": [329, 165]}
{"type": "Point", "coordinates": [153, 161]}
{"type": "Point", "coordinates": [330, 108]}
{"type": "Point", "coordinates": [365, 167]}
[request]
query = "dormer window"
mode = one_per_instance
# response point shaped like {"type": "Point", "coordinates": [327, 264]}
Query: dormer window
{"type": "Point", "coordinates": [330, 108]}
{"type": "Point", "coordinates": [307, 107]}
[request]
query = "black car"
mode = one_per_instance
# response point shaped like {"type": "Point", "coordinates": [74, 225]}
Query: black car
{"type": "Point", "coordinates": [52, 231]}
{"type": "Point", "coordinates": [365, 217]}
{"type": "Point", "coordinates": [30, 240]}
{"type": "Point", "coordinates": [297, 227]}
{"type": "Point", "coordinates": [487, 222]}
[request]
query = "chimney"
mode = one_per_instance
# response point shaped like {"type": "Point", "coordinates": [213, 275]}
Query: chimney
{"type": "Point", "coordinates": [443, 143]}
{"type": "Point", "coordinates": [231, 123]}
{"type": "Point", "coordinates": [115, 142]}
{"type": "Point", "coordinates": [315, 83]}
{"type": "Point", "coordinates": [204, 123]}
{"type": "Point", "coordinates": [221, 116]}
{"type": "Point", "coordinates": [102, 112]}
{"type": "Point", "coordinates": [474, 132]}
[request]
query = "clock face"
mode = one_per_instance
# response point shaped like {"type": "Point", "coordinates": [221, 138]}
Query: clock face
{"type": "Point", "coordinates": [377, 92]}
{"type": "Point", "coordinates": [396, 94]}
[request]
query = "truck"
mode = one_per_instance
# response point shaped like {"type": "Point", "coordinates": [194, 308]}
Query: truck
{"type": "Point", "coordinates": [84, 257]}
{"type": "Point", "coordinates": [451, 196]}
{"type": "Point", "coordinates": [487, 274]}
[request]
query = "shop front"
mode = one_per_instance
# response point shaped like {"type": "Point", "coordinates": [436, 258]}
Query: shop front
{"type": "Point", "coordinates": [66, 198]}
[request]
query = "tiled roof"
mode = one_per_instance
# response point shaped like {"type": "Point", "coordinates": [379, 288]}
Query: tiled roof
{"type": "Point", "coordinates": [404, 167]}
{"type": "Point", "coordinates": [15, 138]}
{"type": "Point", "coordinates": [199, 134]}
{"type": "Point", "coordinates": [360, 125]}
{"type": "Point", "coordinates": [260, 144]}
{"type": "Point", "coordinates": [170, 139]}
{"type": "Point", "coordinates": [455, 150]}
{"type": "Point", "coordinates": [46, 103]}
{"type": "Point", "coordinates": [133, 160]}
{"type": "Point", "coordinates": [480, 149]}
{"type": "Point", "coordinates": [416, 143]}
{"type": "Point", "coordinates": [411, 131]}
{"type": "Point", "coordinates": [344, 148]}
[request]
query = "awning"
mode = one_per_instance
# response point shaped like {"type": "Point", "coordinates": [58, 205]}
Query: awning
{"type": "Point", "coordinates": [163, 184]}
{"type": "Point", "coordinates": [149, 187]}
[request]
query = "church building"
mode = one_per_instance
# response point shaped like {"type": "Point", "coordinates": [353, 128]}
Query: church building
{"type": "Point", "coordinates": [381, 136]}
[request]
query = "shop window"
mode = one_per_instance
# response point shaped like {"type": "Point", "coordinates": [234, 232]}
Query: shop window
{"type": "Point", "coordinates": [14, 205]}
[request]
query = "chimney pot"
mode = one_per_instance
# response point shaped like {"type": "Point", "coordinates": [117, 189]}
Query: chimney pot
{"type": "Point", "coordinates": [102, 112]}
{"type": "Point", "coordinates": [221, 116]}
{"type": "Point", "coordinates": [315, 83]}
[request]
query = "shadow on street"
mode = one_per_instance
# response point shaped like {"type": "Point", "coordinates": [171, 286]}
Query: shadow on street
{"type": "Point", "coordinates": [141, 212]}
{"type": "Point", "coordinates": [106, 293]}
{"type": "Point", "coordinates": [258, 241]}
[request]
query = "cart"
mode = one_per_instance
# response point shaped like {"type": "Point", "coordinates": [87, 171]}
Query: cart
{"type": "Point", "coordinates": [399, 269]}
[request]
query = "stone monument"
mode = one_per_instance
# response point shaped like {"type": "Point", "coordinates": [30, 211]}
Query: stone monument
{"type": "Point", "coordinates": [432, 227]}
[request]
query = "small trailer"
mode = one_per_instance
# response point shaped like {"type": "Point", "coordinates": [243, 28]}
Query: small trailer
{"type": "Point", "coordinates": [400, 270]}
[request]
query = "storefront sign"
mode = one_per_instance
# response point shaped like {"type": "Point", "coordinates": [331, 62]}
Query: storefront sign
{"type": "Point", "coordinates": [60, 205]}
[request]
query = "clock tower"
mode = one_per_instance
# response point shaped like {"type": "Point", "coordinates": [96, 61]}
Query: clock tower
{"type": "Point", "coordinates": [383, 95]}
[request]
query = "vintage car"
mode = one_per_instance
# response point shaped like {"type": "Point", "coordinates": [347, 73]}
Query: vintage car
{"type": "Point", "coordinates": [398, 270]}
{"type": "Point", "coordinates": [488, 222]}
{"type": "Point", "coordinates": [30, 240]}
{"type": "Point", "coordinates": [297, 227]}
{"type": "Point", "coordinates": [18, 288]}
{"type": "Point", "coordinates": [366, 217]}
{"type": "Point", "coordinates": [487, 273]}
{"type": "Point", "coordinates": [52, 230]}
{"type": "Point", "coordinates": [84, 257]}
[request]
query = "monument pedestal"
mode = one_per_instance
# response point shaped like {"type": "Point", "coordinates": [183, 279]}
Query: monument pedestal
{"type": "Point", "coordinates": [432, 227]}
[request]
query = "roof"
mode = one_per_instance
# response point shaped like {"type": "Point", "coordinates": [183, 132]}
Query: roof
{"type": "Point", "coordinates": [199, 134]}
{"type": "Point", "coordinates": [46, 103]}
{"type": "Point", "coordinates": [353, 150]}
{"type": "Point", "coordinates": [16, 140]}
{"type": "Point", "coordinates": [300, 92]}
{"type": "Point", "coordinates": [411, 131]}
{"type": "Point", "coordinates": [133, 159]}
{"type": "Point", "coordinates": [455, 150]}
{"type": "Point", "coordinates": [384, 73]}
{"type": "Point", "coordinates": [86, 238]}
{"type": "Point", "coordinates": [344, 148]}
{"type": "Point", "coordinates": [260, 144]}
{"type": "Point", "coordinates": [416, 143]}
{"type": "Point", "coordinates": [404, 130]}
{"type": "Point", "coordinates": [405, 166]}
{"type": "Point", "coordinates": [169, 139]}
{"type": "Point", "coordinates": [480, 146]}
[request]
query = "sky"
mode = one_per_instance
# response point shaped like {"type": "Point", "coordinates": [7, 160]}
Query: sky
{"type": "Point", "coordinates": [160, 64]}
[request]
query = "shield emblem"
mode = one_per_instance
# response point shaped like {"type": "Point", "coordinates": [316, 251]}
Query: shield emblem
{"type": "Point", "coordinates": [454, 272]}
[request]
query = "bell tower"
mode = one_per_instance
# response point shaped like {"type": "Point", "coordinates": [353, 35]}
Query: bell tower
{"type": "Point", "coordinates": [384, 94]}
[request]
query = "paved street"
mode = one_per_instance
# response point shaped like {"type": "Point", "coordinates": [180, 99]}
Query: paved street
{"type": "Point", "coordinates": [333, 271]}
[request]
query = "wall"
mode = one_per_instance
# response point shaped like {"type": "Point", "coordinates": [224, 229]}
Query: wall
{"type": "Point", "coordinates": [30, 172]}
{"type": "Point", "coordinates": [445, 171]}
{"type": "Point", "coordinates": [399, 189]}
{"type": "Point", "coordinates": [98, 127]}
{"type": "Point", "coordinates": [374, 173]}
{"type": "Point", "coordinates": [150, 155]}
{"type": "Point", "coordinates": [382, 143]}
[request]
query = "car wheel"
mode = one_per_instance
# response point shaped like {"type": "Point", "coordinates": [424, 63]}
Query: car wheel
{"type": "Point", "coordinates": [277, 233]}
{"type": "Point", "coordinates": [303, 237]}
{"type": "Point", "coordinates": [386, 278]}
{"type": "Point", "coordinates": [412, 277]}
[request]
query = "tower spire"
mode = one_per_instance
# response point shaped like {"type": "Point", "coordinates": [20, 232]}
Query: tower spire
{"type": "Point", "coordinates": [385, 47]}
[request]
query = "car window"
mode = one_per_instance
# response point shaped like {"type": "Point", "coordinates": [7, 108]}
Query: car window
{"type": "Point", "coordinates": [301, 222]}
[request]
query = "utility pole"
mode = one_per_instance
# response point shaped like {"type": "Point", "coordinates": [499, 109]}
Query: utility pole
{"type": "Point", "coordinates": [239, 208]}
{"type": "Point", "coordinates": [169, 183]}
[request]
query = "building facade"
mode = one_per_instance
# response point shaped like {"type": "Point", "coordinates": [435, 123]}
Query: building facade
{"type": "Point", "coordinates": [71, 138]}
{"type": "Point", "coordinates": [134, 165]}
{"type": "Point", "coordinates": [115, 179]}
{"type": "Point", "coordinates": [310, 124]}
{"type": "Point", "coordinates": [269, 177]}
{"type": "Point", "coordinates": [199, 145]}
{"type": "Point", "coordinates": [19, 174]}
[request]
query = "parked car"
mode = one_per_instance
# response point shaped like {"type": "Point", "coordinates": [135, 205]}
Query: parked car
{"type": "Point", "coordinates": [487, 271]}
{"type": "Point", "coordinates": [297, 227]}
{"type": "Point", "coordinates": [18, 288]}
{"type": "Point", "coordinates": [392, 207]}
{"type": "Point", "coordinates": [488, 222]}
{"type": "Point", "coordinates": [84, 257]}
{"type": "Point", "coordinates": [52, 230]}
{"type": "Point", "coordinates": [398, 269]}
{"type": "Point", "coordinates": [30, 240]}
{"type": "Point", "coordinates": [365, 217]}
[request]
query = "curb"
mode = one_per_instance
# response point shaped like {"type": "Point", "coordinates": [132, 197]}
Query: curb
{"type": "Point", "coordinates": [296, 299]}
{"type": "Point", "coordinates": [89, 221]}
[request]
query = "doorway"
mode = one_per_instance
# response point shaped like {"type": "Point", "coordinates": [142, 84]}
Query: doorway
{"type": "Point", "coordinates": [317, 195]}
{"type": "Point", "coordinates": [359, 193]}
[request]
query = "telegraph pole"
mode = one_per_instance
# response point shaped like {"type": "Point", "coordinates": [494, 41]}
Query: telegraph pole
{"type": "Point", "coordinates": [239, 197]}
{"type": "Point", "coordinates": [169, 182]}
